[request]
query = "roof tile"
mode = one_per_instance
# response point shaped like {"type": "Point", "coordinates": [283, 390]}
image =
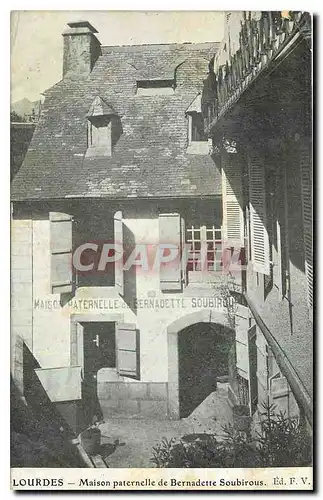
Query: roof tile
{"type": "Point", "coordinates": [149, 159]}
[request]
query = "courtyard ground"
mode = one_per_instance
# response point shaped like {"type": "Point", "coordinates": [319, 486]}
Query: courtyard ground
{"type": "Point", "coordinates": [128, 442]}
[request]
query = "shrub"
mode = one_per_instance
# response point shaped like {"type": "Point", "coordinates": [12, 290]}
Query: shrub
{"type": "Point", "coordinates": [282, 441]}
{"type": "Point", "coordinates": [202, 451]}
{"type": "Point", "coordinates": [240, 448]}
{"type": "Point", "coordinates": [194, 450]}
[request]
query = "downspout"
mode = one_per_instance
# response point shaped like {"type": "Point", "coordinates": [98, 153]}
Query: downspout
{"type": "Point", "coordinates": [301, 395]}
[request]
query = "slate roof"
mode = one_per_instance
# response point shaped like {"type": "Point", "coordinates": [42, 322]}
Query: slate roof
{"type": "Point", "coordinates": [149, 159]}
{"type": "Point", "coordinates": [99, 108]}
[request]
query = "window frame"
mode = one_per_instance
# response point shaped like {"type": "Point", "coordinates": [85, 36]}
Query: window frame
{"type": "Point", "coordinates": [106, 123]}
{"type": "Point", "coordinates": [155, 87]}
{"type": "Point", "coordinates": [191, 116]}
{"type": "Point", "coordinates": [204, 239]}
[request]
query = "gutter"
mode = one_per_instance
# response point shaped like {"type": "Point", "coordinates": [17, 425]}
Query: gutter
{"type": "Point", "coordinates": [301, 395]}
{"type": "Point", "coordinates": [23, 124]}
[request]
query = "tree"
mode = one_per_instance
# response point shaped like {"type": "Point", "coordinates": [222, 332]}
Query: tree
{"type": "Point", "coordinates": [14, 117]}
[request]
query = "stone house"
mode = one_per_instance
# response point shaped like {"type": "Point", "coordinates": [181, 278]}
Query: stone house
{"type": "Point", "coordinates": [119, 154]}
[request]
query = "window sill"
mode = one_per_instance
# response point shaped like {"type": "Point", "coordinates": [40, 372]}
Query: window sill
{"type": "Point", "coordinates": [203, 277]}
{"type": "Point", "coordinates": [155, 92]}
{"type": "Point", "coordinates": [198, 148]}
{"type": "Point", "coordinates": [97, 151]}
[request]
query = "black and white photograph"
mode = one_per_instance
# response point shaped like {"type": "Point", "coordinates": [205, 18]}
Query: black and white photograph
{"type": "Point", "coordinates": [161, 250]}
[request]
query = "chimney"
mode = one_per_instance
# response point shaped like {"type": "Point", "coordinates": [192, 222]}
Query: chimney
{"type": "Point", "coordinates": [81, 49]}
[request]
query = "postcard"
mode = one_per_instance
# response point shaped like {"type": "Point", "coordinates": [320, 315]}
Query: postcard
{"type": "Point", "coordinates": [161, 250]}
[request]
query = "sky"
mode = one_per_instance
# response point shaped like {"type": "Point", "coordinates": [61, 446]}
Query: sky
{"type": "Point", "coordinates": [37, 44]}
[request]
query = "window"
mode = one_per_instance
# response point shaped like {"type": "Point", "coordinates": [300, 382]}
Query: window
{"type": "Point", "coordinates": [197, 138]}
{"type": "Point", "coordinates": [201, 237]}
{"type": "Point", "coordinates": [155, 87]}
{"type": "Point", "coordinates": [99, 133]}
{"type": "Point", "coordinates": [199, 251]}
{"type": "Point", "coordinates": [197, 126]}
{"type": "Point", "coordinates": [104, 128]}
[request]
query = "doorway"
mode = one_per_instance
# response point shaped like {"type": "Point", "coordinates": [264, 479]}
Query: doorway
{"type": "Point", "coordinates": [99, 345]}
{"type": "Point", "coordinates": [203, 351]}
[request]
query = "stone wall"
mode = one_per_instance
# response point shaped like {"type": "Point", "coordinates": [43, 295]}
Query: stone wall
{"type": "Point", "coordinates": [137, 400]}
{"type": "Point", "coordinates": [21, 286]}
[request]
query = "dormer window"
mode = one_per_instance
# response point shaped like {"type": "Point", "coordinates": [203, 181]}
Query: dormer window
{"type": "Point", "coordinates": [197, 138]}
{"type": "Point", "coordinates": [103, 128]}
{"type": "Point", "coordinates": [155, 87]}
{"type": "Point", "coordinates": [196, 128]}
{"type": "Point", "coordinates": [99, 133]}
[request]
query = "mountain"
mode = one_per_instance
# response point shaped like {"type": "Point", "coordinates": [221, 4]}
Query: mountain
{"type": "Point", "coordinates": [26, 109]}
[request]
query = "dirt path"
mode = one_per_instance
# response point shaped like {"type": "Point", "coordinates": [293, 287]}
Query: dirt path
{"type": "Point", "coordinates": [129, 442]}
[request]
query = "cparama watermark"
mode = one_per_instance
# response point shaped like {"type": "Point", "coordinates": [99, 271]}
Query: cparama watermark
{"type": "Point", "coordinates": [91, 257]}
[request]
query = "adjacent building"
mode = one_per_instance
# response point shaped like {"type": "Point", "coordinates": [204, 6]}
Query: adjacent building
{"type": "Point", "coordinates": [257, 103]}
{"type": "Point", "coordinates": [20, 137]}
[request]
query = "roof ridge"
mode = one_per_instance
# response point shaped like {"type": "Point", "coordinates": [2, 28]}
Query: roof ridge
{"type": "Point", "coordinates": [159, 44]}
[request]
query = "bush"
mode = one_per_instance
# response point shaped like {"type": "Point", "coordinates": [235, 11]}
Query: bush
{"type": "Point", "coordinates": [202, 451]}
{"type": "Point", "coordinates": [282, 441]}
{"type": "Point", "coordinates": [240, 448]}
{"type": "Point", "coordinates": [193, 452]}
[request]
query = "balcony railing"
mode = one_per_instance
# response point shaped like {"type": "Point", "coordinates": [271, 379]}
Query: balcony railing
{"type": "Point", "coordinates": [252, 41]}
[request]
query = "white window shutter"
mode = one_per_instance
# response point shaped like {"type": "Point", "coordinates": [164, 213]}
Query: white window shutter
{"type": "Point", "coordinates": [306, 183]}
{"type": "Point", "coordinates": [61, 252]}
{"type": "Point", "coordinates": [170, 232]}
{"type": "Point", "coordinates": [258, 216]}
{"type": "Point", "coordinates": [241, 339]}
{"type": "Point", "coordinates": [127, 355]}
{"type": "Point", "coordinates": [183, 260]}
{"type": "Point", "coordinates": [118, 239]}
{"type": "Point", "coordinates": [277, 264]}
{"type": "Point", "coordinates": [233, 226]}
